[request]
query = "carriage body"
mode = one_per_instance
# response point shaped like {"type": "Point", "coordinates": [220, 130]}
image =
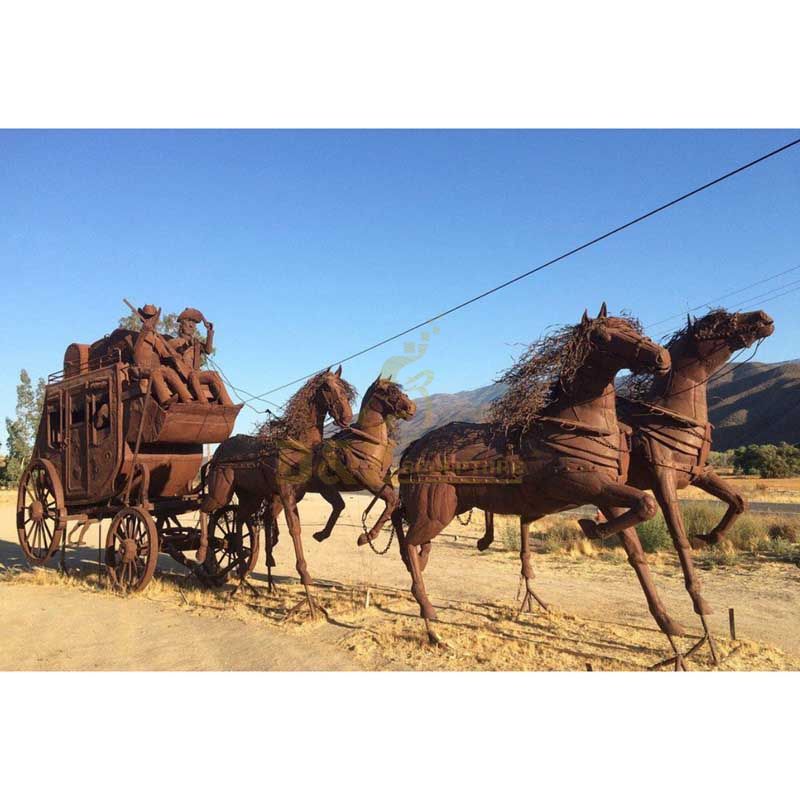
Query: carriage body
{"type": "Point", "coordinates": [106, 449]}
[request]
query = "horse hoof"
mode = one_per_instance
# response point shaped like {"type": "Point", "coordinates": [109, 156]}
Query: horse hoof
{"type": "Point", "coordinates": [365, 538]}
{"type": "Point", "coordinates": [671, 627]}
{"type": "Point", "coordinates": [589, 528]}
{"type": "Point", "coordinates": [483, 544]}
{"type": "Point", "coordinates": [320, 536]}
{"type": "Point", "coordinates": [702, 608]}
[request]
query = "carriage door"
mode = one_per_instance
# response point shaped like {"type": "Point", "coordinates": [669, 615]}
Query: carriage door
{"type": "Point", "coordinates": [77, 441]}
{"type": "Point", "coordinates": [102, 428]}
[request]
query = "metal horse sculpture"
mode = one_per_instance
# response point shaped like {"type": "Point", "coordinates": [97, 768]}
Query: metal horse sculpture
{"type": "Point", "coordinates": [672, 438]}
{"type": "Point", "coordinates": [555, 443]}
{"type": "Point", "coordinates": [360, 457]}
{"type": "Point", "coordinates": [276, 466]}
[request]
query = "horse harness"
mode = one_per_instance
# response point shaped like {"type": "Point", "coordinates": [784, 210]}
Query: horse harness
{"type": "Point", "coordinates": [661, 432]}
{"type": "Point", "coordinates": [575, 447]}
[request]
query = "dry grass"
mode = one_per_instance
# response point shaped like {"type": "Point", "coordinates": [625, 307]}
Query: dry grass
{"type": "Point", "coordinates": [389, 635]}
{"type": "Point", "coordinates": [758, 490]}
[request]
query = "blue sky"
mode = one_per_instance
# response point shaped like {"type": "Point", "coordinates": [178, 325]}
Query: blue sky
{"type": "Point", "coordinates": [303, 247]}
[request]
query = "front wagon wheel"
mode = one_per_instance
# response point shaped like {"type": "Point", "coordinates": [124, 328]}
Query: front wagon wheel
{"type": "Point", "coordinates": [232, 548]}
{"type": "Point", "coordinates": [41, 515]}
{"type": "Point", "coordinates": [131, 549]}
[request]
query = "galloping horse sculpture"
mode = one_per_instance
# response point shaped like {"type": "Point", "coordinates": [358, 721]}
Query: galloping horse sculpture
{"type": "Point", "coordinates": [671, 441]}
{"type": "Point", "coordinates": [672, 435]}
{"type": "Point", "coordinates": [276, 466]}
{"type": "Point", "coordinates": [360, 456]}
{"type": "Point", "coordinates": [555, 443]}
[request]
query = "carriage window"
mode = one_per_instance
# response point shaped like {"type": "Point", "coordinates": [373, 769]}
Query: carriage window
{"type": "Point", "coordinates": [53, 424]}
{"type": "Point", "coordinates": [100, 413]}
{"type": "Point", "coordinates": [77, 410]}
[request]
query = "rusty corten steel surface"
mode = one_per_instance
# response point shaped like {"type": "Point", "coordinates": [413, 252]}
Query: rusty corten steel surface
{"type": "Point", "coordinates": [555, 442]}
{"type": "Point", "coordinates": [360, 457]}
{"type": "Point", "coordinates": [672, 436]}
{"type": "Point", "coordinates": [276, 467]}
{"type": "Point", "coordinates": [123, 424]}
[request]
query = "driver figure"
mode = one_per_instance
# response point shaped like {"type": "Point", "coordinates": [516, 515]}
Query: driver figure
{"type": "Point", "coordinates": [190, 348]}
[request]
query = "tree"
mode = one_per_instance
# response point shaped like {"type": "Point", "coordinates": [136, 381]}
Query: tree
{"type": "Point", "coordinates": [167, 323]}
{"type": "Point", "coordinates": [767, 460]}
{"type": "Point", "coordinates": [22, 430]}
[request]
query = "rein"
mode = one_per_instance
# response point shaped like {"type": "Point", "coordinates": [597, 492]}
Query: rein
{"type": "Point", "coordinates": [364, 524]}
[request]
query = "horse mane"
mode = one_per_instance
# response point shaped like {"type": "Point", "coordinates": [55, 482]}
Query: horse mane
{"type": "Point", "coordinates": [545, 371]}
{"type": "Point", "coordinates": [714, 322]}
{"type": "Point", "coordinates": [298, 413]}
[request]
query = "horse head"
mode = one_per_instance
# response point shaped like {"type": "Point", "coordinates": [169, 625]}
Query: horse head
{"type": "Point", "coordinates": [334, 395]}
{"type": "Point", "coordinates": [388, 399]}
{"type": "Point", "coordinates": [721, 333]}
{"type": "Point", "coordinates": [618, 343]}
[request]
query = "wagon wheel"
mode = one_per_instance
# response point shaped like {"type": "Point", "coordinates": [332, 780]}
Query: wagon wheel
{"type": "Point", "coordinates": [223, 546]}
{"type": "Point", "coordinates": [131, 549]}
{"type": "Point", "coordinates": [41, 515]}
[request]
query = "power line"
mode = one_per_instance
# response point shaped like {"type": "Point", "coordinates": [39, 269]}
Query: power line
{"type": "Point", "coordinates": [723, 297]}
{"type": "Point", "coordinates": [533, 271]}
{"type": "Point", "coordinates": [236, 390]}
{"type": "Point", "coordinates": [774, 297]}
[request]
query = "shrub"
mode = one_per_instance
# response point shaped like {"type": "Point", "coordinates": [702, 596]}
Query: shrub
{"type": "Point", "coordinates": [785, 530]}
{"type": "Point", "coordinates": [749, 534]}
{"type": "Point", "coordinates": [508, 530]}
{"type": "Point", "coordinates": [720, 555]}
{"type": "Point", "coordinates": [564, 534]}
{"type": "Point", "coordinates": [699, 517]}
{"type": "Point", "coordinates": [653, 534]}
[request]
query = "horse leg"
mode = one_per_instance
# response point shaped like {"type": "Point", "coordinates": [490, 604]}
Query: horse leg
{"type": "Point", "coordinates": [427, 611]}
{"type": "Point", "coordinates": [386, 493]}
{"type": "Point", "coordinates": [640, 507]}
{"type": "Point", "coordinates": [337, 506]}
{"type": "Point", "coordinates": [397, 524]}
{"type": "Point", "coordinates": [293, 522]}
{"type": "Point", "coordinates": [710, 482]}
{"type": "Point", "coordinates": [638, 560]}
{"type": "Point", "coordinates": [664, 489]}
{"type": "Point", "coordinates": [430, 509]}
{"type": "Point", "coordinates": [245, 512]}
{"type": "Point", "coordinates": [526, 572]}
{"type": "Point", "coordinates": [488, 536]}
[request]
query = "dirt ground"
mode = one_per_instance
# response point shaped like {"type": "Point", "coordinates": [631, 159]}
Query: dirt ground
{"type": "Point", "coordinates": [598, 615]}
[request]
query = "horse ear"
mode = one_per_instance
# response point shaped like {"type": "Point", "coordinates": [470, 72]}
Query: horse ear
{"type": "Point", "coordinates": [339, 371]}
{"type": "Point", "coordinates": [585, 317]}
{"type": "Point", "coordinates": [603, 310]}
{"type": "Point", "coordinates": [689, 323]}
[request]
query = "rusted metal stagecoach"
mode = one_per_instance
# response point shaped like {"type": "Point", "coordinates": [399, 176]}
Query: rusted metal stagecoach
{"type": "Point", "coordinates": [106, 449]}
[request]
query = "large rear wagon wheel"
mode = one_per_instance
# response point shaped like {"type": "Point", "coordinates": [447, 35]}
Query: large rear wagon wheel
{"type": "Point", "coordinates": [224, 559]}
{"type": "Point", "coordinates": [41, 514]}
{"type": "Point", "coordinates": [131, 549]}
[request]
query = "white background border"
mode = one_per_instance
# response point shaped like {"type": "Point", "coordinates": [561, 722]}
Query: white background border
{"type": "Point", "coordinates": [346, 64]}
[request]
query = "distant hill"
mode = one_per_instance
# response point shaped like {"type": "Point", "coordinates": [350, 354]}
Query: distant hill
{"type": "Point", "coordinates": [748, 404]}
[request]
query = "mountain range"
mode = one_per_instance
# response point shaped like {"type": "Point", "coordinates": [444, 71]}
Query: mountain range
{"type": "Point", "coordinates": [749, 403]}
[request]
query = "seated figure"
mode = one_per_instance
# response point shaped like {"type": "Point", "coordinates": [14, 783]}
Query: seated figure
{"type": "Point", "coordinates": [151, 355]}
{"type": "Point", "coordinates": [189, 347]}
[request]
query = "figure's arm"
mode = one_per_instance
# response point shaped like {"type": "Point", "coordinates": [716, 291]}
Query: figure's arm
{"type": "Point", "coordinates": [208, 345]}
{"type": "Point", "coordinates": [167, 353]}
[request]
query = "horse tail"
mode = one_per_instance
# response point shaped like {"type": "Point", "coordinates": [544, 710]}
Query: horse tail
{"type": "Point", "coordinates": [219, 486]}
